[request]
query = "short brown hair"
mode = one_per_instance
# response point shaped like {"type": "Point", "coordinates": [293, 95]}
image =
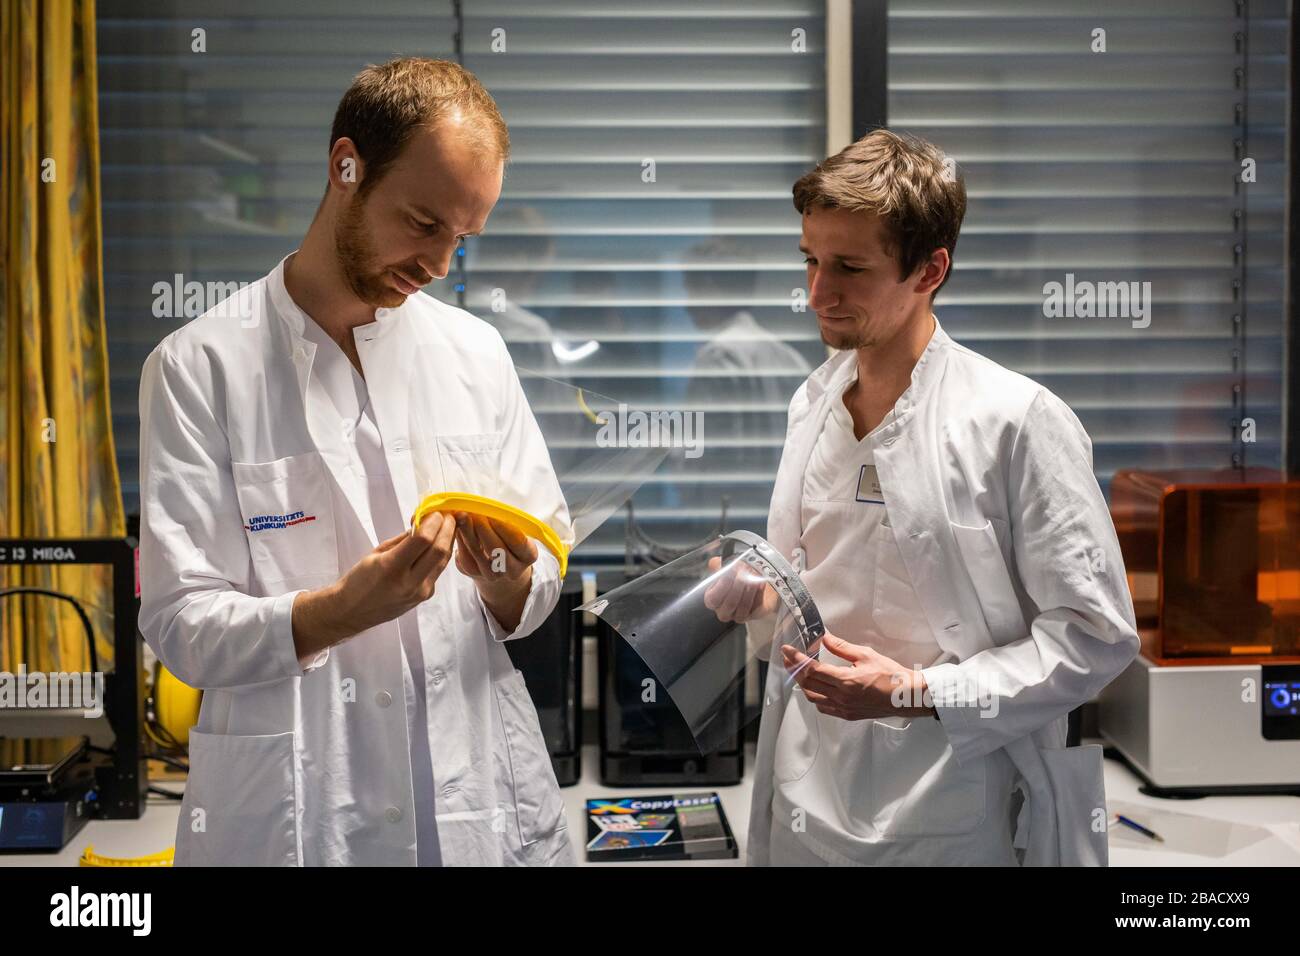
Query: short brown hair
{"type": "Point", "coordinates": [386, 104]}
{"type": "Point", "coordinates": [906, 181]}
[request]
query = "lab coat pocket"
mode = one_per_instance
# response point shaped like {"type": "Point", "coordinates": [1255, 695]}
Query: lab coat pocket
{"type": "Point", "coordinates": [240, 804]}
{"type": "Point", "coordinates": [798, 740]}
{"type": "Point", "coordinates": [917, 787]}
{"type": "Point", "coordinates": [539, 809]}
{"type": "Point", "coordinates": [988, 572]}
{"type": "Point", "coordinates": [471, 463]}
{"type": "Point", "coordinates": [1079, 785]}
{"type": "Point", "coordinates": [288, 517]}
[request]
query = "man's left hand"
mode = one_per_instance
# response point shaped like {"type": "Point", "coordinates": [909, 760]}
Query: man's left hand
{"type": "Point", "coordinates": [499, 560]}
{"type": "Point", "coordinates": [868, 688]}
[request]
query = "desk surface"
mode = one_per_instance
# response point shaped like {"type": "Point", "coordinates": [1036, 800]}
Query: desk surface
{"type": "Point", "coordinates": [1214, 831]}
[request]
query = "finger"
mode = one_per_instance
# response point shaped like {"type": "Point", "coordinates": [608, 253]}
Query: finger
{"type": "Point", "coordinates": [515, 541]}
{"type": "Point", "coordinates": [845, 649]}
{"type": "Point", "coordinates": [465, 528]}
{"type": "Point", "coordinates": [468, 533]}
{"type": "Point", "coordinates": [814, 672]}
{"type": "Point", "coordinates": [432, 562]}
{"type": "Point", "coordinates": [730, 601]}
{"type": "Point", "coordinates": [832, 711]}
{"type": "Point", "coordinates": [811, 674]}
{"type": "Point", "coordinates": [494, 550]}
{"type": "Point", "coordinates": [407, 552]}
{"type": "Point", "coordinates": [465, 557]}
{"type": "Point", "coordinates": [463, 564]}
{"type": "Point", "coordinates": [815, 697]}
{"type": "Point", "coordinates": [737, 587]}
{"type": "Point", "coordinates": [719, 591]}
{"type": "Point", "coordinates": [753, 599]}
{"type": "Point", "coordinates": [836, 692]}
{"type": "Point", "coordinates": [797, 658]}
{"type": "Point", "coordinates": [474, 529]}
{"type": "Point", "coordinates": [515, 562]}
{"type": "Point", "coordinates": [392, 542]}
{"type": "Point", "coordinates": [810, 681]}
{"type": "Point", "coordinates": [787, 655]}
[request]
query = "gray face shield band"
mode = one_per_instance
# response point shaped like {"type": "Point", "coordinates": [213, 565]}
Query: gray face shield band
{"type": "Point", "coordinates": [699, 620]}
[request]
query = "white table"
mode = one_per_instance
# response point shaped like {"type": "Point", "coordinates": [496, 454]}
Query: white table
{"type": "Point", "coordinates": [1214, 831]}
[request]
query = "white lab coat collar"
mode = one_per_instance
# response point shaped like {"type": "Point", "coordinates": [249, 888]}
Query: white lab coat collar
{"type": "Point", "coordinates": [296, 319]}
{"type": "Point", "coordinates": [825, 383]}
{"type": "Point", "coordinates": [385, 392]}
{"type": "Point", "coordinates": [839, 368]}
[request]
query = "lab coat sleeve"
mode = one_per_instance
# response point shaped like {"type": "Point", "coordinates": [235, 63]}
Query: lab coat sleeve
{"type": "Point", "coordinates": [195, 567]}
{"type": "Point", "coordinates": [531, 484]}
{"type": "Point", "coordinates": [1070, 566]}
{"type": "Point", "coordinates": [542, 597]}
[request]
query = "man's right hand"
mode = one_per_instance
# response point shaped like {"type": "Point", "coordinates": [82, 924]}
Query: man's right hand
{"type": "Point", "coordinates": [739, 593]}
{"type": "Point", "coordinates": [393, 578]}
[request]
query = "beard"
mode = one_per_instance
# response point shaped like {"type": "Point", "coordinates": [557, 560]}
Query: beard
{"type": "Point", "coordinates": [356, 257]}
{"type": "Point", "coordinates": [846, 339]}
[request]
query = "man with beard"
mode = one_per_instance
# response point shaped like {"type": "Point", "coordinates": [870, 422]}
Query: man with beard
{"type": "Point", "coordinates": [359, 707]}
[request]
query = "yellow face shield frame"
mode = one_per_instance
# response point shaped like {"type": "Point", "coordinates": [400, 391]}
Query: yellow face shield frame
{"type": "Point", "coordinates": [521, 521]}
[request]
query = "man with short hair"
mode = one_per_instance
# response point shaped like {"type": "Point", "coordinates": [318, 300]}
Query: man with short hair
{"type": "Point", "coordinates": [359, 707]}
{"type": "Point", "coordinates": [947, 521]}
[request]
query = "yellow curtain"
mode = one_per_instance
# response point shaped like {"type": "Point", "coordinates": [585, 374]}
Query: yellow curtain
{"type": "Point", "coordinates": [58, 471]}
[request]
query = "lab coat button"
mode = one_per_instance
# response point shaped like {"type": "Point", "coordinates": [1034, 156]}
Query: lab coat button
{"type": "Point", "coordinates": [393, 815]}
{"type": "Point", "coordinates": [438, 676]}
{"type": "Point", "coordinates": [300, 353]}
{"type": "Point", "coordinates": [383, 698]}
{"type": "Point", "coordinates": [448, 790]}
{"type": "Point", "coordinates": [399, 444]}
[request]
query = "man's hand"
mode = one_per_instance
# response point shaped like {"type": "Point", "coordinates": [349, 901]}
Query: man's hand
{"type": "Point", "coordinates": [867, 688]}
{"type": "Point", "coordinates": [499, 560]}
{"type": "Point", "coordinates": [740, 593]}
{"type": "Point", "coordinates": [397, 575]}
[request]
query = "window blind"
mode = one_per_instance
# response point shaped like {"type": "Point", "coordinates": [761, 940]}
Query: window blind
{"type": "Point", "coordinates": [646, 208]}
{"type": "Point", "coordinates": [1116, 166]}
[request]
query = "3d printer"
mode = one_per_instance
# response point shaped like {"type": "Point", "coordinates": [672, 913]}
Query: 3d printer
{"type": "Point", "coordinates": [1212, 703]}
{"type": "Point", "coordinates": [59, 770]}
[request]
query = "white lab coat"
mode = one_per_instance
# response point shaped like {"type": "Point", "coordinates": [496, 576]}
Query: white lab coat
{"type": "Point", "coordinates": [1010, 547]}
{"type": "Point", "coordinates": [294, 764]}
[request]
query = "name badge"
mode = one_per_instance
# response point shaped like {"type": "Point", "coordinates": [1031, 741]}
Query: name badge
{"type": "Point", "coordinates": [869, 486]}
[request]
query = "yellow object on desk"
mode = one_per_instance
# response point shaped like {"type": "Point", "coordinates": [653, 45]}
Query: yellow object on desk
{"type": "Point", "coordinates": [90, 858]}
{"type": "Point", "coordinates": [521, 521]}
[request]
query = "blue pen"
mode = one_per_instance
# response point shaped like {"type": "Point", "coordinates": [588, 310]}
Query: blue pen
{"type": "Point", "coordinates": [1119, 817]}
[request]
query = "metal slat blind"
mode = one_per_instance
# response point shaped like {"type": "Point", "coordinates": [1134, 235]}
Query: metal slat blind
{"type": "Point", "coordinates": [213, 168]}
{"type": "Point", "coordinates": [212, 163]}
{"type": "Point", "coordinates": [650, 273]}
{"type": "Point", "coordinates": [1116, 166]}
